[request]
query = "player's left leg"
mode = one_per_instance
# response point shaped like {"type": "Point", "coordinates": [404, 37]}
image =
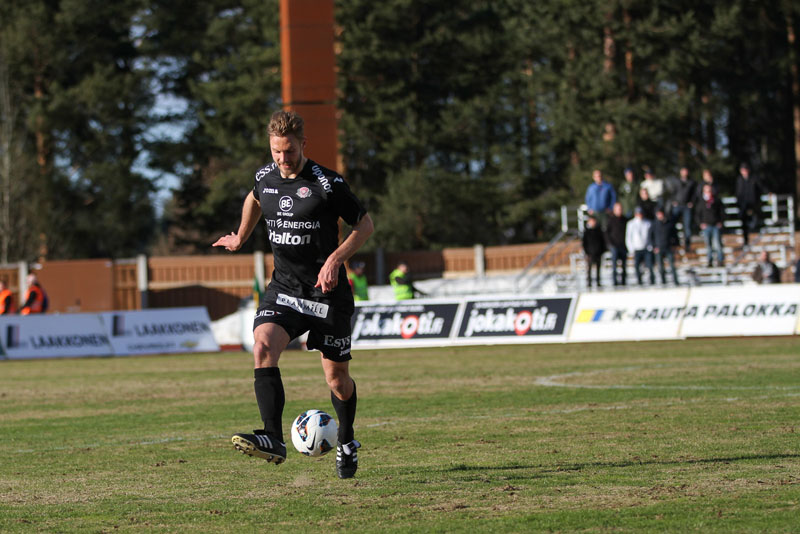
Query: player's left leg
{"type": "Point", "coordinates": [343, 395]}
{"type": "Point", "coordinates": [344, 400]}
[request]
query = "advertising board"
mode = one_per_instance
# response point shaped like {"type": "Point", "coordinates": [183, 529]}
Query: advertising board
{"type": "Point", "coordinates": [156, 331]}
{"type": "Point", "coordinates": [629, 315]}
{"type": "Point", "coordinates": [461, 321]}
{"type": "Point", "coordinates": [53, 336]}
{"type": "Point", "coordinates": [404, 324]}
{"type": "Point", "coordinates": [756, 310]}
{"type": "Point", "coordinates": [515, 320]}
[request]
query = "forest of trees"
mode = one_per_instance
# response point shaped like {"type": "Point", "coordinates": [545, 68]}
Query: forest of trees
{"type": "Point", "coordinates": [461, 121]}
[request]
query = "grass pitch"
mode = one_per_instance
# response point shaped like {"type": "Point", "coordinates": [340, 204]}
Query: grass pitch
{"type": "Point", "coordinates": [689, 436]}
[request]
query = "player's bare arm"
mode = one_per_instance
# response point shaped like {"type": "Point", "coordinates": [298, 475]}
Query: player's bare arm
{"type": "Point", "coordinates": [251, 213]}
{"type": "Point", "coordinates": [328, 275]}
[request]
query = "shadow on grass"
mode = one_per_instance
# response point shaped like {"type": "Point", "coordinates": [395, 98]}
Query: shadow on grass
{"type": "Point", "coordinates": [544, 470]}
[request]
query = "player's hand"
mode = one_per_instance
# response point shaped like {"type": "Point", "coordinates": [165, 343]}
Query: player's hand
{"type": "Point", "coordinates": [231, 242]}
{"type": "Point", "coordinates": [328, 276]}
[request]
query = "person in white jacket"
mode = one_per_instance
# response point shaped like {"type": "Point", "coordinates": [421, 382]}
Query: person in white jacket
{"type": "Point", "coordinates": [637, 240]}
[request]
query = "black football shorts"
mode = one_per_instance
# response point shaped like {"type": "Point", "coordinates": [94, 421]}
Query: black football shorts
{"type": "Point", "coordinates": [327, 321]}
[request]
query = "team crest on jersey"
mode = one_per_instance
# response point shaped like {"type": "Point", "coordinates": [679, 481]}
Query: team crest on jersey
{"type": "Point", "coordinates": [304, 192]}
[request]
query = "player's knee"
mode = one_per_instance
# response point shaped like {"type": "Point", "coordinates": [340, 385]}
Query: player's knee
{"type": "Point", "coordinates": [340, 383]}
{"type": "Point", "coordinates": [265, 355]}
{"type": "Point", "coordinates": [335, 382]}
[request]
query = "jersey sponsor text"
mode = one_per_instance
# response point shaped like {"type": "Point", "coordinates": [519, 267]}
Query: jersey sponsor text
{"type": "Point", "coordinates": [336, 342]}
{"type": "Point", "coordinates": [293, 225]}
{"type": "Point", "coordinates": [304, 306]}
{"type": "Point", "coordinates": [323, 180]}
{"type": "Point", "coordinates": [285, 238]}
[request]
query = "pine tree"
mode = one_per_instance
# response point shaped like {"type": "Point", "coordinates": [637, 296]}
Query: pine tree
{"type": "Point", "coordinates": [85, 104]}
{"type": "Point", "coordinates": [221, 59]}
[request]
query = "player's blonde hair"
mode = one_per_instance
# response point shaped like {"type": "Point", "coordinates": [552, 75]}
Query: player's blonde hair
{"type": "Point", "coordinates": [285, 123]}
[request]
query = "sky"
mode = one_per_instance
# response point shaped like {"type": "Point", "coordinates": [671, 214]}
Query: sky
{"type": "Point", "coordinates": [165, 182]}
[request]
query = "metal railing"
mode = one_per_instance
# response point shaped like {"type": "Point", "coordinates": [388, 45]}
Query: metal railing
{"type": "Point", "coordinates": [562, 239]}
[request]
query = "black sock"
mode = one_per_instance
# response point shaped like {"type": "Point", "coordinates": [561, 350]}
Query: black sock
{"type": "Point", "coordinates": [270, 398]}
{"type": "Point", "coordinates": [346, 413]}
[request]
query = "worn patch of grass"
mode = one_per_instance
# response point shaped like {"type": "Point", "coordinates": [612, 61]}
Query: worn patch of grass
{"type": "Point", "coordinates": [690, 436]}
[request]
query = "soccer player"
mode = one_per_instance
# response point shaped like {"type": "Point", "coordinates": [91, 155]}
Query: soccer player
{"type": "Point", "coordinates": [301, 203]}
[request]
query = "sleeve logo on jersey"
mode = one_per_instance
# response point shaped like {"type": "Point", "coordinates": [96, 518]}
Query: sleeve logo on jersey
{"type": "Point", "coordinates": [263, 172]}
{"type": "Point", "coordinates": [286, 203]}
{"type": "Point", "coordinates": [323, 180]}
{"type": "Point", "coordinates": [304, 192]}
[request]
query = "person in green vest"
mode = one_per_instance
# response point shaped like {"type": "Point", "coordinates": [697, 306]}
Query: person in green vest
{"type": "Point", "coordinates": [628, 193]}
{"type": "Point", "coordinates": [401, 282]}
{"type": "Point", "coordinates": [358, 281]}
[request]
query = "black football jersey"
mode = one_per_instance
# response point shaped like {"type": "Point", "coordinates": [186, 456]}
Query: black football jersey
{"type": "Point", "coordinates": [302, 217]}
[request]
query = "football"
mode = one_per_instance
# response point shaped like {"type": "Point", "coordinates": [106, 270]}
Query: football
{"type": "Point", "coordinates": [314, 433]}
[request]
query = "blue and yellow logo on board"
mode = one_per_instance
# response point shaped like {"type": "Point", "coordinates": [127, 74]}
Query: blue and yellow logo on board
{"type": "Point", "coordinates": [590, 316]}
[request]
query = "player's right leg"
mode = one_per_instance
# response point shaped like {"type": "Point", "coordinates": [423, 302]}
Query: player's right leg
{"type": "Point", "coordinates": [270, 341]}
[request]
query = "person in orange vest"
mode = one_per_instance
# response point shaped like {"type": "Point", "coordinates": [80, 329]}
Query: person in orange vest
{"type": "Point", "coordinates": [35, 298]}
{"type": "Point", "coordinates": [7, 303]}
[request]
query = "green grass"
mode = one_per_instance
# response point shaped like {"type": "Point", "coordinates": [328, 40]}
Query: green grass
{"type": "Point", "coordinates": [690, 436]}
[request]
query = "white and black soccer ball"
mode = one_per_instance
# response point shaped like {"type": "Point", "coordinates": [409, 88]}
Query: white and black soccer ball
{"type": "Point", "coordinates": [314, 433]}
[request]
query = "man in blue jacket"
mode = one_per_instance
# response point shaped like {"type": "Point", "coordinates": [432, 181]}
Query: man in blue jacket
{"type": "Point", "coordinates": [600, 198]}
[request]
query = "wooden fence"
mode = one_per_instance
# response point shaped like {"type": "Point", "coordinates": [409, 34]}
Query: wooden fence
{"type": "Point", "coordinates": [220, 282]}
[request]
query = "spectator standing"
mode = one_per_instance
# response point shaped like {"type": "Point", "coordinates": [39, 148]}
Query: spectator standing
{"type": "Point", "coordinates": [797, 272]}
{"type": "Point", "coordinates": [7, 304]}
{"type": "Point", "coordinates": [709, 219]}
{"type": "Point", "coordinates": [637, 241]}
{"type": "Point", "coordinates": [683, 204]}
{"type": "Point", "coordinates": [708, 178]}
{"type": "Point", "coordinates": [664, 239]}
{"type": "Point", "coordinates": [358, 281]}
{"type": "Point", "coordinates": [654, 186]}
{"type": "Point", "coordinates": [36, 300]}
{"type": "Point", "coordinates": [766, 271]}
{"type": "Point", "coordinates": [748, 197]}
{"type": "Point", "coordinates": [594, 245]}
{"type": "Point", "coordinates": [400, 280]}
{"type": "Point", "coordinates": [615, 237]}
{"type": "Point", "coordinates": [628, 193]}
{"type": "Point", "coordinates": [646, 204]}
{"type": "Point", "coordinates": [600, 197]}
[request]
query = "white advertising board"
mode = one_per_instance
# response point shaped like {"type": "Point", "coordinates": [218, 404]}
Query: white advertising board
{"type": "Point", "coordinates": [757, 310]}
{"type": "Point", "coordinates": [629, 315]}
{"type": "Point", "coordinates": [156, 331]}
{"type": "Point", "coordinates": [53, 336]}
